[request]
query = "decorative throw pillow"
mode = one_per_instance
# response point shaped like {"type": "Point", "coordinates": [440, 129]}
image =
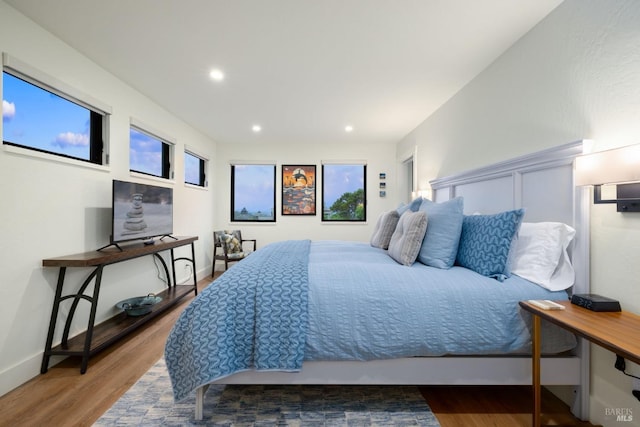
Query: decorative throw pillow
{"type": "Point", "coordinates": [407, 237]}
{"type": "Point", "coordinates": [413, 206]}
{"type": "Point", "coordinates": [540, 254]}
{"type": "Point", "coordinates": [384, 229]}
{"type": "Point", "coordinates": [486, 240]}
{"type": "Point", "coordinates": [232, 242]}
{"type": "Point", "coordinates": [440, 244]}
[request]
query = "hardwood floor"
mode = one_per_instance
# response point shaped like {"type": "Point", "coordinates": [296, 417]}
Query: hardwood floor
{"type": "Point", "coordinates": [63, 397]}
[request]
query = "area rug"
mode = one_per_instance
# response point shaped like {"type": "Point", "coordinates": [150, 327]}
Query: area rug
{"type": "Point", "coordinates": [150, 403]}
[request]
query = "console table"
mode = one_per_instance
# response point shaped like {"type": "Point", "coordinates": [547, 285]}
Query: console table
{"type": "Point", "coordinates": [616, 331]}
{"type": "Point", "coordinates": [97, 337]}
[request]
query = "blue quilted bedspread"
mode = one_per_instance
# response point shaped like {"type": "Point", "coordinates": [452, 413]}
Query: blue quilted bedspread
{"type": "Point", "coordinates": [329, 300]}
{"type": "Point", "coordinates": [253, 316]}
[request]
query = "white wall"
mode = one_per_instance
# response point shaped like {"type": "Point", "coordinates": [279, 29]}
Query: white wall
{"type": "Point", "coordinates": [379, 158]}
{"type": "Point", "coordinates": [575, 76]}
{"type": "Point", "coordinates": [50, 208]}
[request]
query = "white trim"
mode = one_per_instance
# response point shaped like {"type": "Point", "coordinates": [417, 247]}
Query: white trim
{"type": "Point", "coordinates": [553, 156]}
{"type": "Point", "coordinates": [253, 162]}
{"type": "Point", "coordinates": [151, 177]}
{"type": "Point", "coordinates": [419, 371]}
{"type": "Point", "coordinates": [39, 78]}
{"type": "Point", "coordinates": [196, 187]}
{"type": "Point", "coordinates": [52, 157]}
{"type": "Point", "coordinates": [344, 162]}
{"type": "Point", "coordinates": [196, 153]}
{"type": "Point", "coordinates": [140, 126]}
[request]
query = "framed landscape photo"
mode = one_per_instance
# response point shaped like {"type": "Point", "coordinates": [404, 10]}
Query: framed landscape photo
{"type": "Point", "coordinates": [298, 189]}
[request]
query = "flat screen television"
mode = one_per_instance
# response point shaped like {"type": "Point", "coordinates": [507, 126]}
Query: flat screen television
{"type": "Point", "coordinates": [140, 212]}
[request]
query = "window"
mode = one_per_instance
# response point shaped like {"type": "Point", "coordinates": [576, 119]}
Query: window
{"type": "Point", "coordinates": [344, 189]}
{"type": "Point", "coordinates": [253, 193]}
{"type": "Point", "coordinates": [39, 117]}
{"type": "Point", "coordinates": [194, 169]}
{"type": "Point", "coordinates": [149, 153]}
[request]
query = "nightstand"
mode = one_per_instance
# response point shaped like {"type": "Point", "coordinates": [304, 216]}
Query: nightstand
{"type": "Point", "coordinates": [618, 332]}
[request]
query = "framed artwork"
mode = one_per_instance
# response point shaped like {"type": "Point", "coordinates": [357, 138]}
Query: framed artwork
{"type": "Point", "coordinates": [298, 189]}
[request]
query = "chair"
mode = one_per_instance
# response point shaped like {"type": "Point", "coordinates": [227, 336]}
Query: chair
{"type": "Point", "coordinates": [232, 245]}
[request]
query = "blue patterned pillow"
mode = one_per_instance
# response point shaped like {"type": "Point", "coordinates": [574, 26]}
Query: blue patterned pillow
{"type": "Point", "coordinates": [440, 244]}
{"type": "Point", "coordinates": [485, 242]}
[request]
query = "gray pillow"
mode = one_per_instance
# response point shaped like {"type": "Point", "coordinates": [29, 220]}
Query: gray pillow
{"type": "Point", "coordinates": [384, 229]}
{"type": "Point", "coordinates": [407, 238]}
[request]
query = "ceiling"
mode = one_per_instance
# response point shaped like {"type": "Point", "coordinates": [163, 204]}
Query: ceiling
{"type": "Point", "coordinates": [301, 69]}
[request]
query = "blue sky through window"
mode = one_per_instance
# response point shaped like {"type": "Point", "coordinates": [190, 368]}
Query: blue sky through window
{"type": "Point", "coordinates": [191, 169]}
{"type": "Point", "coordinates": [340, 179]}
{"type": "Point", "coordinates": [254, 188]}
{"type": "Point", "coordinates": [36, 118]}
{"type": "Point", "coordinates": [145, 153]}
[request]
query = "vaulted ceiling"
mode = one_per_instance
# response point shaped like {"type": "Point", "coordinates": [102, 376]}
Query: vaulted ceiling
{"type": "Point", "coordinates": [301, 69]}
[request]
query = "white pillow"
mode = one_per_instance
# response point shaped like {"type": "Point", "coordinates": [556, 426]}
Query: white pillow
{"type": "Point", "coordinates": [541, 254]}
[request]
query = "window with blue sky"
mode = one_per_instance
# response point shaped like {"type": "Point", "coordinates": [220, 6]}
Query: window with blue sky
{"type": "Point", "coordinates": [36, 118]}
{"type": "Point", "coordinates": [194, 169]}
{"type": "Point", "coordinates": [148, 155]}
{"type": "Point", "coordinates": [253, 193]}
{"type": "Point", "coordinates": [344, 192]}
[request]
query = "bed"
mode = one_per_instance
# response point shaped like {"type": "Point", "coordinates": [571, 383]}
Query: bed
{"type": "Point", "coordinates": [332, 312]}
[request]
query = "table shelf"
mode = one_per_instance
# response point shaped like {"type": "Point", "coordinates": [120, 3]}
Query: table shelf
{"type": "Point", "coordinates": [113, 329]}
{"type": "Point", "coordinates": [98, 337]}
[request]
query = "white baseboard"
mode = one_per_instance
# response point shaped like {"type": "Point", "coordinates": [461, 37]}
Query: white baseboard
{"type": "Point", "coordinates": [19, 374]}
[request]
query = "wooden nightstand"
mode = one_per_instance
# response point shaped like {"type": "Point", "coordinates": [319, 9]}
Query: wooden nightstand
{"type": "Point", "coordinates": [618, 332]}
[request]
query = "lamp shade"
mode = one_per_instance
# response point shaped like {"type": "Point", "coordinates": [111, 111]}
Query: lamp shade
{"type": "Point", "coordinates": [609, 167]}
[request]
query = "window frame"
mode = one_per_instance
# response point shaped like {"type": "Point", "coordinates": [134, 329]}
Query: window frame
{"type": "Point", "coordinates": [167, 150]}
{"type": "Point", "coordinates": [327, 220]}
{"type": "Point", "coordinates": [232, 188]}
{"type": "Point", "coordinates": [202, 169]}
{"type": "Point", "coordinates": [99, 113]}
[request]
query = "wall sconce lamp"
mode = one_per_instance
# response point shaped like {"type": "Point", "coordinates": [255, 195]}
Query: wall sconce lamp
{"type": "Point", "coordinates": [620, 166]}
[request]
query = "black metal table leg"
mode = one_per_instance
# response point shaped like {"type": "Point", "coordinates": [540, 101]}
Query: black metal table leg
{"type": "Point", "coordinates": [193, 261]}
{"type": "Point", "coordinates": [52, 323]}
{"type": "Point", "coordinates": [92, 318]}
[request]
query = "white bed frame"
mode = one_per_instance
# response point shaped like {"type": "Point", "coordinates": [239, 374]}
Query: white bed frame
{"type": "Point", "coordinates": [542, 183]}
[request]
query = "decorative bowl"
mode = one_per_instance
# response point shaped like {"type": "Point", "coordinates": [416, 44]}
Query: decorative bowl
{"type": "Point", "coordinates": [138, 306]}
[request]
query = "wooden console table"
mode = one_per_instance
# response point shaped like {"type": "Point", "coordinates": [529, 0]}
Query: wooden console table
{"type": "Point", "coordinates": [618, 332]}
{"type": "Point", "coordinates": [97, 337]}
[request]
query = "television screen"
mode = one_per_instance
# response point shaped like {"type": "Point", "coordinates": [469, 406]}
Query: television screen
{"type": "Point", "coordinates": [140, 211]}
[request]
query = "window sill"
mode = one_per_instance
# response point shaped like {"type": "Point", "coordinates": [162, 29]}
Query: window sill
{"type": "Point", "coordinates": [12, 149]}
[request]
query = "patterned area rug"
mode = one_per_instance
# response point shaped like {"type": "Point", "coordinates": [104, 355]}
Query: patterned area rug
{"type": "Point", "coordinates": [150, 403]}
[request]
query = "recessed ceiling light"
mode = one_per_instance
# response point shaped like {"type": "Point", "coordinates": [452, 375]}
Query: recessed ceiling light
{"type": "Point", "coordinates": [216, 75]}
{"type": "Point", "coordinates": [256, 128]}
{"type": "Point", "coordinates": [348, 128]}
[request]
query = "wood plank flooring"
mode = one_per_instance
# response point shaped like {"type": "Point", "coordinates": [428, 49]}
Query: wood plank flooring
{"type": "Point", "coordinates": [63, 397]}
